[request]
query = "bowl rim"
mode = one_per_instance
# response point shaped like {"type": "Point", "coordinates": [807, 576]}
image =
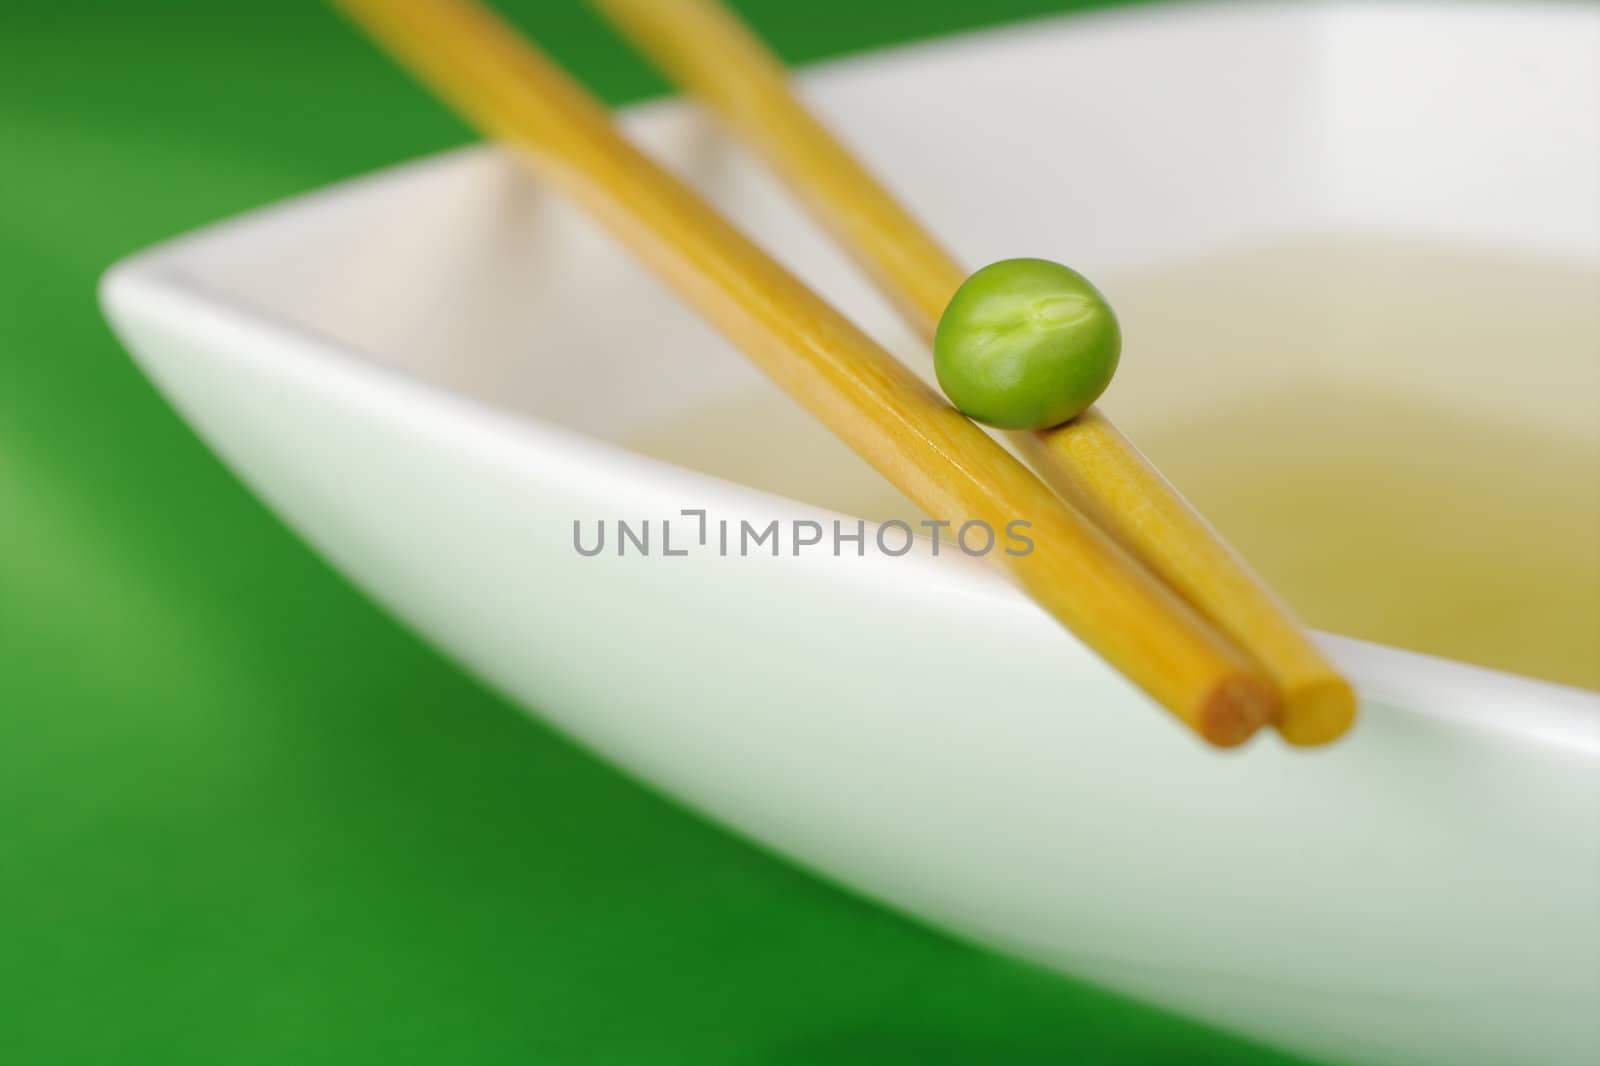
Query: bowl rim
{"type": "Point", "coordinates": [156, 283]}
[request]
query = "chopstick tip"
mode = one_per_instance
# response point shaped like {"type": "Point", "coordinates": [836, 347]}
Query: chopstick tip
{"type": "Point", "coordinates": [1318, 711]}
{"type": "Point", "coordinates": [1236, 709]}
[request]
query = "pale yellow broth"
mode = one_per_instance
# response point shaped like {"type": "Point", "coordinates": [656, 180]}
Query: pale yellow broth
{"type": "Point", "coordinates": [1451, 506]}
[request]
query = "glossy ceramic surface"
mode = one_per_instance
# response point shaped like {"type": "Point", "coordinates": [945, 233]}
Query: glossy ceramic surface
{"type": "Point", "coordinates": [431, 373]}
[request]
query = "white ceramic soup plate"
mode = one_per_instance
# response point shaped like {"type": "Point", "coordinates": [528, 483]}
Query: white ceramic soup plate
{"type": "Point", "coordinates": [431, 372]}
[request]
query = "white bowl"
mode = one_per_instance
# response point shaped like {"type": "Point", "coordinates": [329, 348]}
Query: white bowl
{"type": "Point", "coordinates": [428, 372]}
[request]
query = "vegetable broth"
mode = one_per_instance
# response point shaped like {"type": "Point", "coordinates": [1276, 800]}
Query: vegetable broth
{"type": "Point", "coordinates": [1403, 439]}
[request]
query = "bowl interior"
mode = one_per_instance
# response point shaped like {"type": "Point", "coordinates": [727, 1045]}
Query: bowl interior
{"type": "Point", "coordinates": [1355, 250]}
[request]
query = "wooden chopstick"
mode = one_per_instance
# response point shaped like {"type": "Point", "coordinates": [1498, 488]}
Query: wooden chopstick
{"type": "Point", "coordinates": [868, 398]}
{"type": "Point", "coordinates": [703, 46]}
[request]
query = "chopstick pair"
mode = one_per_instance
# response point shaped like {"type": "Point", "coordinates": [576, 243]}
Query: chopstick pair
{"type": "Point", "coordinates": [1095, 559]}
{"type": "Point", "coordinates": [702, 46]}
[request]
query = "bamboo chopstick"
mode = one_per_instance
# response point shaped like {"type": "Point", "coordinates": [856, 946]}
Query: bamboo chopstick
{"type": "Point", "coordinates": [703, 46]}
{"type": "Point", "coordinates": [869, 399]}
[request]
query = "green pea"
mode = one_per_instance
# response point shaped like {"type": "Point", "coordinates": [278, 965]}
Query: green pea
{"type": "Point", "coordinates": [1026, 344]}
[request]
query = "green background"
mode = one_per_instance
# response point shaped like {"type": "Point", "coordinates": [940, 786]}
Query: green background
{"type": "Point", "coordinates": [244, 816]}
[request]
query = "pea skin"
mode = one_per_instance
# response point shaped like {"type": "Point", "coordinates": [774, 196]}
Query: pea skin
{"type": "Point", "coordinates": [1026, 344]}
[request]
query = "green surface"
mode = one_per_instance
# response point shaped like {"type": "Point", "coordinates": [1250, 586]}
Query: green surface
{"type": "Point", "coordinates": [247, 818]}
